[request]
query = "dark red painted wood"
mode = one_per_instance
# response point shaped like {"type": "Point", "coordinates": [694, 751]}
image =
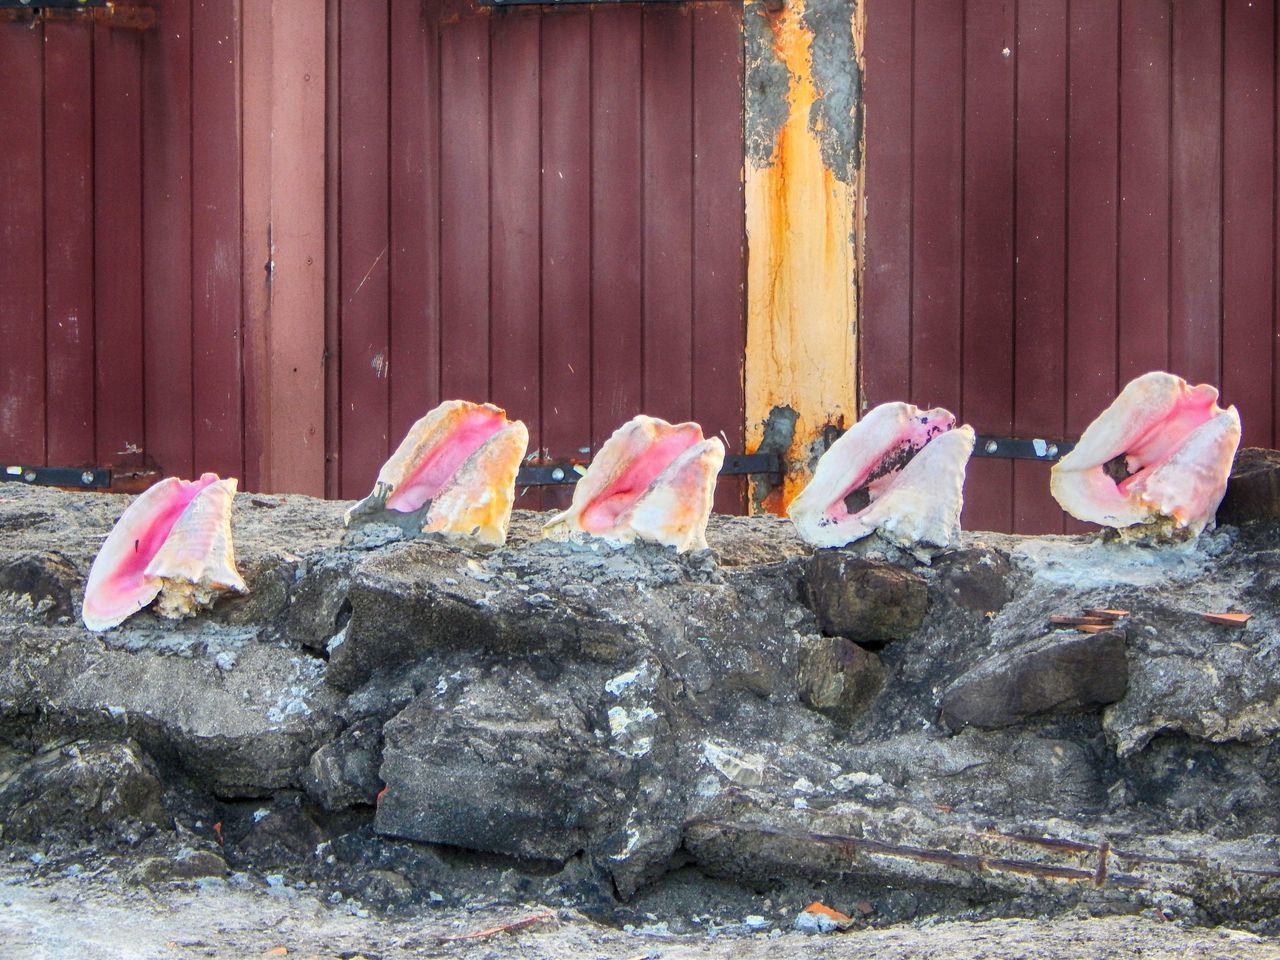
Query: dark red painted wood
{"type": "Point", "coordinates": [414, 258]}
{"type": "Point", "coordinates": [216, 268]}
{"type": "Point", "coordinates": [719, 304]}
{"type": "Point", "coordinates": [987, 296]}
{"type": "Point", "coordinates": [1195, 279]}
{"type": "Point", "coordinates": [566, 237]}
{"type": "Point", "coordinates": [668, 201]}
{"type": "Point", "coordinates": [365, 245]}
{"type": "Point", "coordinates": [1145, 201]}
{"type": "Point", "coordinates": [937, 208]}
{"type": "Point", "coordinates": [117, 174]}
{"type": "Point", "coordinates": [1092, 173]}
{"type": "Point", "coordinates": [617, 220]}
{"type": "Point", "coordinates": [68, 217]}
{"type": "Point", "coordinates": [1145, 95]}
{"type": "Point", "coordinates": [1040, 249]}
{"type": "Point", "coordinates": [464, 203]}
{"type": "Point", "coordinates": [1093, 168]}
{"type": "Point", "coordinates": [1248, 254]}
{"type": "Point", "coordinates": [167, 215]}
{"type": "Point", "coordinates": [515, 244]}
{"type": "Point", "coordinates": [886, 311]}
{"type": "Point", "coordinates": [22, 308]}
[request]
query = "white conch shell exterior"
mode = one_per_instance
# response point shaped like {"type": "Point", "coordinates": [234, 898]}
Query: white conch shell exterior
{"type": "Point", "coordinates": [477, 454]}
{"type": "Point", "coordinates": [1178, 443]}
{"type": "Point", "coordinates": [918, 504]}
{"type": "Point", "coordinates": [197, 563]}
{"type": "Point", "coordinates": [672, 509]}
{"type": "Point", "coordinates": [173, 540]}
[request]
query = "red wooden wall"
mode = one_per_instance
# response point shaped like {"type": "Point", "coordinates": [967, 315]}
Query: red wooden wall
{"type": "Point", "coordinates": [120, 270]}
{"type": "Point", "coordinates": [541, 207]}
{"type": "Point", "coordinates": [1064, 194]}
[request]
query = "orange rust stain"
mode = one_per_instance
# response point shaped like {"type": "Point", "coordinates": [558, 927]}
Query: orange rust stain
{"type": "Point", "coordinates": [801, 275]}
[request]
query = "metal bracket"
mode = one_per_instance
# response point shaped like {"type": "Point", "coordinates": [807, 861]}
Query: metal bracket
{"type": "Point", "coordinates": [1018, 448]}
{"type": "Point", "coordinates": [85, 478]}
{"type": "Point", "coordinates": [122, 16]}
{"type": "Point", "coordinates": [566, 473]}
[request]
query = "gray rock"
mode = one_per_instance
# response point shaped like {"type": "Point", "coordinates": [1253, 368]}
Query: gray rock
{"type": "Point", "coordinates": [979, 580]}
{"type": "Point", "coordinates": [344, 772]}
{"type": "Point", "coordinates": [522, 775]}
{"type": "Point", "coordinates": [244, 731]}
{"type": "Point", "coordinates": [1253, 492]}
{"type": "Point", "coordinates": [838, 678]}
{"type": "Point", "coordinates": [77, 789]}
{"type": "Point", "coordinates": [37, 587]}
{"type": "Point", "coordinates": [1061, 671]}
{"type": "Point", "coordinates": [864, 600]}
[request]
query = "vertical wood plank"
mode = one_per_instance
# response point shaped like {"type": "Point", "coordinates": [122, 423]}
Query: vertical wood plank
{"type": "Point", "coordinates": [617, 186]}
{"type": "Point", "coordinates": [283, 245]}
{"type": "Point", "coordinates": [668, 198]}
{"type": "Point", "coordinates": [1195, 291]}
{"type": "Point", "coordinates": [166, 213]}
{"type": "Point", "coordinates": [68, 193]}
{"type": "Point", "coordinates": [719, 293]}
{"type": "Point", "coordinates": [987, 356]}
{"type": "Point", "coordinates": [1248, 256]}
{"type": "Point", "coordinates": [365, 244]}
{"type": "Point", "coordinates": [886, 325]}
{"type": "Point", "coordinates": [566, 237]}
{"type": "Point", "coordinates": [22, 307]}
{"type": "Point", "coordinates": [415, 215]}
{"type": "Point", "coordinates": [218, 422]}
{"type": "Point", "coordinates": [464, 203]}
{"type": "Point", "coordinates": [1040, 280]}
{"type": "Point", "coordinates": [937, 211]}
{"type": "Point", "coordinates": [1143, 294]}
{"type": "Point", "coordinates": [333, 252]}
{"type": "Point", "coordinates": [117, 262]}
{"type": "Point", "coordinates": [1093, 172]}
{"type": "Point", "coordinates": [516, 252]}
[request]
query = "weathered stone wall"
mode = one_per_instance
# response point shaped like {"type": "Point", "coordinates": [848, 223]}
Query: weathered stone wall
{"type": "Point", "coordinates": [606, 716]}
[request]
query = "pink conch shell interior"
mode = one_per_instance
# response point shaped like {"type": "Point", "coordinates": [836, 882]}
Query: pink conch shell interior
{"type": "Point", "coordinates": [456, 468]}
{"type": "Point", "coordinates": [651, 480]}
{"type": "Point", "coordinates": [174, 540]}
{"type": "Point", "coordinates": [898, 471]}
{"type": "Point", "coordinates": [1161, 453]}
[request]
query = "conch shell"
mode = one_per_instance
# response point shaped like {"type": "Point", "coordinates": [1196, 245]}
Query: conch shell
{"type": "Point", "coordinates": [454, 474]}
{"type": "Point", "coordinates": [1160, 454]}
{"type": "Point", "coordinates": [173, 541]}
{"type": "Point", "coordinates": [651, 480]}
{"type": "Point", "coordinates": [898, 471]}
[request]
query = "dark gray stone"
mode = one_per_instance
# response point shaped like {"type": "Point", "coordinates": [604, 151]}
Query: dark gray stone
{"type": "Point", "coordinates": [80, 788]}
{"type": "Point", "coordinates": [1253, 491]}
{"type": "Point", "coordinates": [838, 678]}
{"type": "Point", "coordinates": [344, 772]}
{"type": "Point", "coordinates": [516, 771]}
{"type": "Point", "coordinates": [978, 580]}
{"type": "Point", "coordinates": [866, 601]}
{"type": "Point", "coordinates": [38, 587]}
{"type": "Point", "coordinates": [1061, 671]}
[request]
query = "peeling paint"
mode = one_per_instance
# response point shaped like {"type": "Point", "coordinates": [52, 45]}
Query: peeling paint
{"type": "Point", "coordinates": [803, 211]}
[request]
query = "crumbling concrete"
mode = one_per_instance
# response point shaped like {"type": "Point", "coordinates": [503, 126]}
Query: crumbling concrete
{"type": "Point", "coordinates": [591, 723]}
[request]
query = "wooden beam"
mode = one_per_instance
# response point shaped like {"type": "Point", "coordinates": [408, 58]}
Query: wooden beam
{"type": "Point", "coordinates": [284, 244]}
{"type": "Point", "coordinates": [803, 200]}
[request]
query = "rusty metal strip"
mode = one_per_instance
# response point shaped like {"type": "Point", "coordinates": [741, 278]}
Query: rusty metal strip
{"type": "Point", "coordinates": [118, 16]}
{"type": "Point", "coordinates": [85, 478]}
{"type": "Point", "coordinates": [563, 473]}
